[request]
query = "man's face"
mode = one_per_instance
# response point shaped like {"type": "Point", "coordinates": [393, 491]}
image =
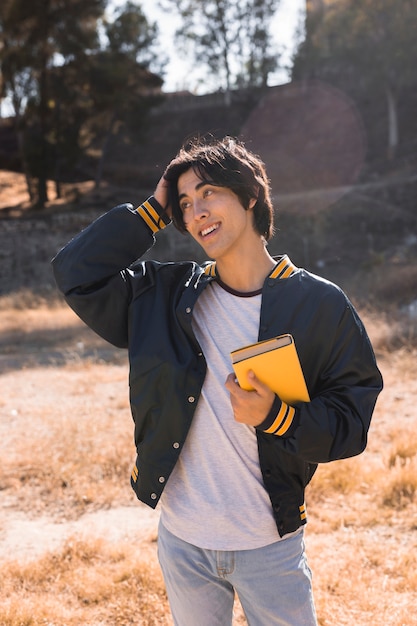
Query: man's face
{"type": "Point", "coordinates": [214, 216]}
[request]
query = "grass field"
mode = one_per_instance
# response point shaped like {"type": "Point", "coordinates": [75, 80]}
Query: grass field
{"type": "Point", "coordinates": [76, 548]}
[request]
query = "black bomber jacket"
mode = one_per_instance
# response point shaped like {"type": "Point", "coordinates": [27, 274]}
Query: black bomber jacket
{"type": "Point", "coordinates": [147, 306]}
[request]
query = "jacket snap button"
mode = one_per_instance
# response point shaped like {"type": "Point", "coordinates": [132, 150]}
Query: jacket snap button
{"type": "Point", "coordinates": [188, 309]}
{"type": "Point", "coordinates": [176, 445]}
{"type": "Point", "coordinates": [153, 496]}
{"type": "Point", "coordinates": [191, 399]}
{"type": "Point", "coordinates": [161, 479]}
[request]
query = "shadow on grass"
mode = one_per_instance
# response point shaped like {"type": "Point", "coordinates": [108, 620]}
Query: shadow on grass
{"type": "Point", "coordinates": [21, 349]}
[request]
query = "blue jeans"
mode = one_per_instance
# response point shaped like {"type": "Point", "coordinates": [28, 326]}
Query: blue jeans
{"type": "Point", "coordinates": [273, 583]}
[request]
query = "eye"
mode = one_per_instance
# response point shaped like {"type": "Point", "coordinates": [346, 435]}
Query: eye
{"type": "Point", "coordinates": [184, 205]}
{"type": "Point", "coordinates": [207, 192]}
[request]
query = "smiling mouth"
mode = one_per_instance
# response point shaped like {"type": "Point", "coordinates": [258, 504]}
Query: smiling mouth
{"type": "Point", "coordinates": [209, 229]}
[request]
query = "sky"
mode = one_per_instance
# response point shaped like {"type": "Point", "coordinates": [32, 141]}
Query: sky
{"type": "Point", "coordinates": [180, 73]}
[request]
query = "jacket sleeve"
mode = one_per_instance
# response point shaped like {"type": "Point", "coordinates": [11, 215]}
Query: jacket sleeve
{"type": "Point", "coordinates": [335, 423]}
{"type": "Point", "coordinates": [92, 270]}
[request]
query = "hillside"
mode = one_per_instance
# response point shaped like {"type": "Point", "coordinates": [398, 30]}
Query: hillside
{"type": "Point", "coordinates": [335, 214]}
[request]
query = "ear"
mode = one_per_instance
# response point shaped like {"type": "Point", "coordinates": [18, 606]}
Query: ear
{"type": "Point", "coordinates": [252, 203]}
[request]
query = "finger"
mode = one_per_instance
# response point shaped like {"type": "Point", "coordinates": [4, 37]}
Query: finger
{"type": "Point", "coordinates": [231, 383]}
{"type": "Point", "coordinates": [257, 384]}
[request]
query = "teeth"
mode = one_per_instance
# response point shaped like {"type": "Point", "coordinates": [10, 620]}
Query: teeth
{"type": "Point", "coordinates": [208, 230]}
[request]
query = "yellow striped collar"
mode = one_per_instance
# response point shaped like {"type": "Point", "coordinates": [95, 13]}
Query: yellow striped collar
{"type": "Point", "coordinates": [210, 269]}
{"type": "Point", "coordinates": [283, 269]}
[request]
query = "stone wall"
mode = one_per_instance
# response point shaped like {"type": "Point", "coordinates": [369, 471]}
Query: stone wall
{"type": "Point", "coordinates": [28, 244]}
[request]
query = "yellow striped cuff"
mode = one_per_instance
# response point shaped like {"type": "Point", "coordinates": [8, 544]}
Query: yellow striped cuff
{"type": "Point", "coordinates": [303, 512]}
{"type": "Point", "coordinates": [148, 212]}
{"type": "Point", "coordinates": [135, 473]}
{"type": "Point", "coordinates": [282, 421]}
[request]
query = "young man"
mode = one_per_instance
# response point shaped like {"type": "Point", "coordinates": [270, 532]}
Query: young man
{"type": "Point", "coordinates": [230, 466]}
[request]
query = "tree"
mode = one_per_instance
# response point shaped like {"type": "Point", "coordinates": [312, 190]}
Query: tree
{"type": "Point", "coordinates": [122, 86]}
{"type": "Point", "coordinates": [130, 33]}
{"type": "Point", "coordinates": [368, 47]}
{"type": "Point", "coordinates": [261, 59]}
{"type": "Point", "coordinates": [17, 80]}
{"type": "Point", "coordinates": [36, 37]}
{"type": "Point", "coordinates": [230, 37]}
{"type": "Point", "coordinates": [64, 64]}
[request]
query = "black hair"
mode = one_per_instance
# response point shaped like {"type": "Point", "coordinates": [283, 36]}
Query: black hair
{"type": "Point", "coordinates": [227, 163]}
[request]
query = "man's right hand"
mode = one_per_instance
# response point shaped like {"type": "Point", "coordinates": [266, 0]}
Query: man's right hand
{"type": "Point", "coordinates": [161, 195]}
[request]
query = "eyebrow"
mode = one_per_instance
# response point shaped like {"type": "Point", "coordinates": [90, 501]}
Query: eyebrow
{"type": "Point", "coordinates": [198, 186]}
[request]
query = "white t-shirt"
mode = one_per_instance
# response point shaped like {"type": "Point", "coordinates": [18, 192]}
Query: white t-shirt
{"type": "Point", "coordinates": [215, 497]}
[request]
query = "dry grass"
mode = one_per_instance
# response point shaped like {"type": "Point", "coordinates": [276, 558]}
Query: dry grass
{"type": "Point", "coordinates": [70, 441]}
{"type": "Point", "coordinates": [95, 583]}
{"type": "Point", "coordinates": [66, 446]}
{"type": "Point", "coordinates": [392, 331]}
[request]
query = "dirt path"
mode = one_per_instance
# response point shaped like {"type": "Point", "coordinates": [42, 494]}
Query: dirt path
{"type": "Point", "coordinates": [24, 537]}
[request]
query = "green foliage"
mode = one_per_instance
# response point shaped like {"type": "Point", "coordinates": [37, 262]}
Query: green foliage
{"type": "Point", "coordinates": [62, 64]}
{"type": "Point", "coordinates": [131, 34]}
{"type": "Point", "coordinates": [366, 47]}
{"type": "Point", "coordinates": [363, 38]}
{"type": "Point", "coordinates": [36, 36]}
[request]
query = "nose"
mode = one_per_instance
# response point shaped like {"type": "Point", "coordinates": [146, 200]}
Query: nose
{"type": "Point", "coordinates": [199, 210]}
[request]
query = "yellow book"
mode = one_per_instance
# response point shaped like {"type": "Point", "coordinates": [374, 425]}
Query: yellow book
{"type": "Point", "coordinates": [275, 362]}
